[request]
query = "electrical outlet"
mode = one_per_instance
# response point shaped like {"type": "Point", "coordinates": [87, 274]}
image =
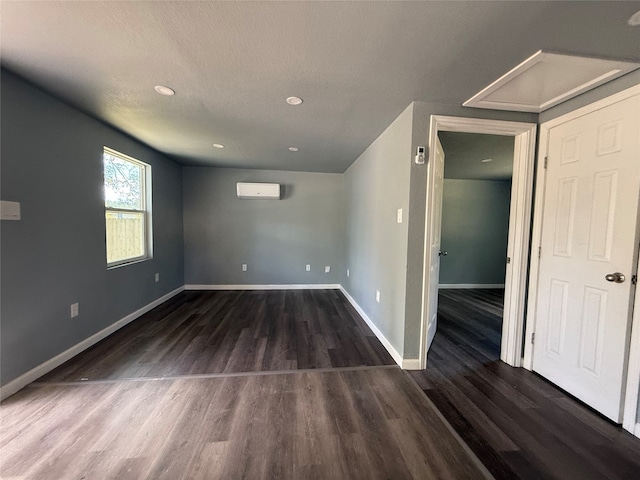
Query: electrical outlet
{"type": "Point", "coordinates": [347, 272]}
{"type": "Point", "coordinates": [74, 310]}
{"type": "Point", "coordinates": [399, 216]}
{"type": "Point", "coordinates": [378, 296]}
{"type": "Point", "coordinates": [308, 268]}
{"type": "Point", "coordinates": [327, 269]}
{"type": "Point", "coordinates": [157, 277]}
{"type": "Point", "coordinates": [244, 267]}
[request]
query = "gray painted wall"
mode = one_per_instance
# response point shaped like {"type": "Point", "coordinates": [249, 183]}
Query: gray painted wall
{"type": "Point", "coordinates": [376, 186]}
{"type": "Point", "coordinates": [475, 231]}
{"type": "Point", "coordinates": [275, 238]}
{"type": "Point", "coordinates": [55, 255]}
{"type": "Point", "coordinates": [415, 248]}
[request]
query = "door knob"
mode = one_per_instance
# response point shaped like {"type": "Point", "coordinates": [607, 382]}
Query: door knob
{"type": "Point", "coordinates": [615, 277]}
{"type": "Point", "coordinates": [443, 253]}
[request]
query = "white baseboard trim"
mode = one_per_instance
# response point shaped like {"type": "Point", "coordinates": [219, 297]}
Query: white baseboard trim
{"type": "Point", "coordinates": [313, 286]}
{"type": "Point", "coordinates": [470, 285]}
{"type": "Point", "coordinates": [411, 364]}
{"type": "Point", "coordinates": [392, 351]}
{"type": "Point", "coordinates": [44, 368]}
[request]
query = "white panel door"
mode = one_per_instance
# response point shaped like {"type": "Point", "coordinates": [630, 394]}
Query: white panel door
{"type": "Point", "coordinates": [589, 232]}
{"type": "Point", "coordinates": [435, 252]}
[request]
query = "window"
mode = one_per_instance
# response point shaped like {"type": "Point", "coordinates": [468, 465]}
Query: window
{"type": "Point", "coordinates": [127, 202]}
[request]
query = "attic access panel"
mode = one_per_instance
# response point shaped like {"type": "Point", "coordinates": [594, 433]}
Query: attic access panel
{"type": "Point", "coordinates": [547, 79]}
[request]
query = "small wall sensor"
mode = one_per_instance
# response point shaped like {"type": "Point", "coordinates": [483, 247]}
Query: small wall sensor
{"type": "Point", "coordinates": [420, 155]}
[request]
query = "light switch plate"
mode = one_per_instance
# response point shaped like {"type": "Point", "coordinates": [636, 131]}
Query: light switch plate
{"type": "Point", "coordinates": [399, 216]}
{"type": "Point", "coordinates": [9, 210]}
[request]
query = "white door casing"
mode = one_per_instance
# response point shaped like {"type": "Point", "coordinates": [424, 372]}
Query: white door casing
{"type": "Point", "coordinates": [519, 228]}
{"type": "Point", "coordinates": [435, 227]}
{"type": "Point", "coordinates": [588, 230]}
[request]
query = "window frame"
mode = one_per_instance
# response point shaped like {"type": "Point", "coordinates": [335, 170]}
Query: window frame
{"type": "Point", "coordinates": [145, 197]}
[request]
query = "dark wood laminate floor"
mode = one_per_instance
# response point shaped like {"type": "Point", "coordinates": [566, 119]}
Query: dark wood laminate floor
{"type": "Point", "coordinates": [200, 332]}
{"type": "Point", "coordinates": [233, 385]}
{"type": "Point", "coordinates": [518, 424]}
{"type": "Point", "coordinates": [355, 424]}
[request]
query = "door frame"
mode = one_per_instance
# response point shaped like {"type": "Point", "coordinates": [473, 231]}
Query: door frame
{"type": "Point", "coordinates": [519, 225]}
{"type": "Point", "coordinates": [632, 383]}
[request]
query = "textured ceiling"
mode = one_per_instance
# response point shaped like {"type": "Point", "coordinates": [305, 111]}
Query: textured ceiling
{"type": "Point", "coordinates": [356, 64]}
{"type": "Point", "coordinates": [464, 153]}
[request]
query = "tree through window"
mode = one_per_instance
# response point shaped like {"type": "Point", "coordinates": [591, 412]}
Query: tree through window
{"type": "Point", "coordinates": [126, 208]}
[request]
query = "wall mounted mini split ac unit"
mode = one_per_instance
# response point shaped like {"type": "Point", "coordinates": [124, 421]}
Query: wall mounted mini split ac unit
{"type": "Point", "coordinates": [264, 191]}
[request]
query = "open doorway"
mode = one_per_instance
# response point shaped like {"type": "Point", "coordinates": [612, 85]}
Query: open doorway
{"type": "Point", "coordinates": [476, 200]}
{"type": "Point", "coordinates": [517, 254]}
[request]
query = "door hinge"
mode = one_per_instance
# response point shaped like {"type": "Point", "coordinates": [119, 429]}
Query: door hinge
{"type": "Point", "coordinates": [546, 162]}
{"type": "Point", "coordinates": [508, 259]}
{"type": "Point", "coordinates": [634, 279]}
{"type": "Point", "coordinates": [533, 338]}
{"type": "Point", "coordinates": [539, 251]}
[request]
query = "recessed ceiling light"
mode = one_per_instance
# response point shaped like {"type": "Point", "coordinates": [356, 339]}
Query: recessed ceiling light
{"type": "Point", "coordinates": [218, 145]}
{"type": "Point", "coordinates": [162, 90]}
{"type": "Point", "coordinates": [293, 149]}
{"type": "Point", "coordinates": [294, 100]}
{"type": "Point", "coordinates": [634, 21]}
{"type": "Point", "coordinates": [487, 160]}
